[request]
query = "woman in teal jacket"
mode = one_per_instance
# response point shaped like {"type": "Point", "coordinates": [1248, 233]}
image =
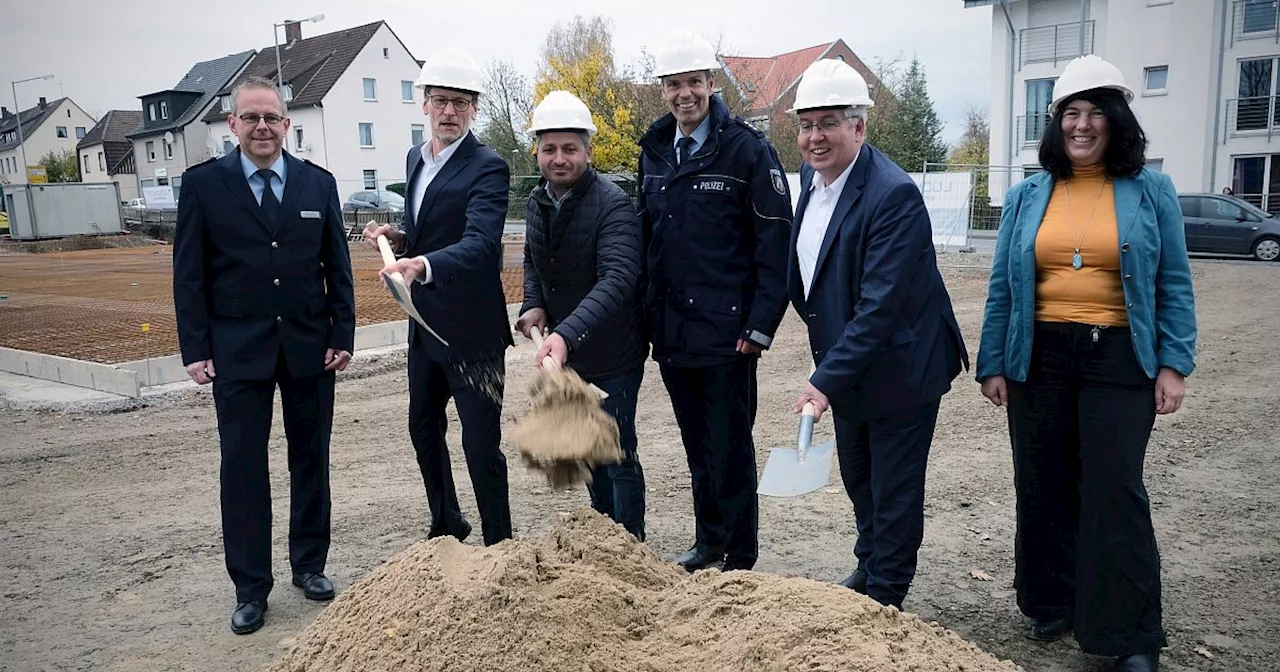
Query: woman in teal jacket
{"type": "Point", "coordinates": [1088, 333]}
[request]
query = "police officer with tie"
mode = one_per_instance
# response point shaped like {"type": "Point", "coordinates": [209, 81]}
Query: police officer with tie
{"type": "Point", "coordinates": [264, 299]}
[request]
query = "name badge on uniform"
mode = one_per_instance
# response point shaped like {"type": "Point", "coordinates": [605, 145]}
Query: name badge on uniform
{"type": "Point", "coordinates": [310, 214]}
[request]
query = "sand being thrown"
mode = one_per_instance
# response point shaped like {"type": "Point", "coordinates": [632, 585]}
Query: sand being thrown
{"type": "Point", "coordinates": [588, 597]}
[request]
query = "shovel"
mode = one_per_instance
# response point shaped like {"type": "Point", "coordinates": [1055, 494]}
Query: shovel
{"type": "Point", "coordinates": [551, 365]}
{"type": "Point", "coordinates": [795, 471]}
{"type": "Point", "coordinates": [400, 291]}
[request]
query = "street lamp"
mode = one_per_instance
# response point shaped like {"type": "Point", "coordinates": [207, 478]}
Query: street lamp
{"type": "Point", "coordinates": [276, 40]}
{"type": "Point", "coordinates": [21, 142]}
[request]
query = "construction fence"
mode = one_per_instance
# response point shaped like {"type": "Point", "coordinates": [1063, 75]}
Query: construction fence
{"type": "Point", "coordinates": [965, 198]}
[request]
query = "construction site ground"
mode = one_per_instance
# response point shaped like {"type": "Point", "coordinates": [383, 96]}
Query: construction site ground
{"type": "Point", "coordinates": [91, 304]}
{"type": "Point", "coordinates": [111, 552]}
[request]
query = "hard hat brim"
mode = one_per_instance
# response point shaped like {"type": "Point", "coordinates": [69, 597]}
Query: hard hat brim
{"type": "Point", "coordinates": [1124, 91]}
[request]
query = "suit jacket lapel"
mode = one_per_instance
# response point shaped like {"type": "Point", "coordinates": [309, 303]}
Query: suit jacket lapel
{"type": "Point", "coordinates": [238, 185]}
{"type": "Point", "coordinates": [1029, 218]}
{"type": "Point", "coordinates": [292, 187]}
{"type": "Point", "coordinates": [460, 157]}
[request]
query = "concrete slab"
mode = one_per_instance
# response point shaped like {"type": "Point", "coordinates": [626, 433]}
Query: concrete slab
{"type": "Point", "coordinates": [91, 375]}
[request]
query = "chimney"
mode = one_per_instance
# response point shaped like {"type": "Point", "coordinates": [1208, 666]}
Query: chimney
{"type": "Point", "coordinates": [292, 32]}
{"type": "Point", "coordinates": [43, 103]}
{"type": "Point", "coordinates": [4, 114]}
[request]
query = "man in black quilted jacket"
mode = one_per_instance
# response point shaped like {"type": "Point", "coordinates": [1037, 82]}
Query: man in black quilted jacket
{"type": "Point", "coordinates": [582, 259]}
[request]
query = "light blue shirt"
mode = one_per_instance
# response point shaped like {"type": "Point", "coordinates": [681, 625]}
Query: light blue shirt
{"type": "Point", "coordinates": [255, 182]}
{"type": "Point", "coordinates": [699, 136]}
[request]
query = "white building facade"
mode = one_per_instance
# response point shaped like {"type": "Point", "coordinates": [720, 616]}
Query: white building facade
{"type": "Point", "coordinates": [1204, 74]}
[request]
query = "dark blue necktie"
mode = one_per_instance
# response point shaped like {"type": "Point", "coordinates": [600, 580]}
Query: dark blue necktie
{"type": "Point", "coordinates": [270, 206]}
{"type": "Point", "coordinates": [682, 149]}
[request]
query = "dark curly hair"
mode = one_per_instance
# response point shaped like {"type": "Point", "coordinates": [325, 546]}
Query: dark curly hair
{"type": "Point", "coordinates": [1126, 150]}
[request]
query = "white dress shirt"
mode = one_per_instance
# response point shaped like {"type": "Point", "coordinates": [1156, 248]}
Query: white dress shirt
{"type": "Point", "coordinates": [817, 218]}
{"type": "Point", "coordinates": [431, 165]}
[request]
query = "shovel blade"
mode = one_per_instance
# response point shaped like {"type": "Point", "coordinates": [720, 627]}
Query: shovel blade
{"type": "Point", "coordinates": [400, 292]}
{"type": "Point", "coordinates": [785, 476]}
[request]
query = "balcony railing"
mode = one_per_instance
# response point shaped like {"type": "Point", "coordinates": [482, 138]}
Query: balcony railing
{"type": "Point", "coordinates": [1258, 116]}
{"type": "Point", "coordinates": [1031, 128]}
{"type": "Point", "coordinates": [1054, 44]}
{"type": "Point", "coordinates": [1251, 19]}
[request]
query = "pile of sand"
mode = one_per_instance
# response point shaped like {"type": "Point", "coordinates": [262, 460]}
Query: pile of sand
{"type": "Point", "coordinates": [589, 598]}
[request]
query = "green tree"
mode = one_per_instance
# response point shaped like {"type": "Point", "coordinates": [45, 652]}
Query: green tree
{"type": "Point", "coordinates": [974, 147]}
{"type": "Point", "coordinates": [915, 130]}
{"type": "Point", "coordinates": [61, 166]}
{"type": "Point", "coordinates": [578, 58]}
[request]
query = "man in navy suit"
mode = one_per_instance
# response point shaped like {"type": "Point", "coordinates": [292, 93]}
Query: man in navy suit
{"type": "Point", "coordinates": [262, 291]}
{"type": "Point", "coordinates": [885, 342]}
{"type": "Point", "coordinates": [450, 248]}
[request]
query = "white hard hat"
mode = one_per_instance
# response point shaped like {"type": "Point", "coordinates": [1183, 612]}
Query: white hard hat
{"type": "Point", "coordinates": [451, 69]}
{"type": "Point", "coordinates": [561, 110]}
{"type": "Point", "coordinates": [1086, 73]}
{"type": "Point", "coordinates": [831, 83]}
{"type": "Point", "coordinates": [684, 51]}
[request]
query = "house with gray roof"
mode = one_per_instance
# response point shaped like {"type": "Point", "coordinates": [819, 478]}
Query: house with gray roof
{"type": "Point", "coordinates": [49, 126]}
{"type": "Point", "coordinates": [106, 152]}
{"type": "Point", "coordinates": [172, 136]}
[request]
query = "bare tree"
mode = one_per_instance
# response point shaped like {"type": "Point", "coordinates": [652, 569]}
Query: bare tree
{"type": "Point", "coordinates": [505, 112]}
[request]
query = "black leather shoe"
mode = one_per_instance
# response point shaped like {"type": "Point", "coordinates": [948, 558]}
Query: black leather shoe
{"type": "Point", "coordinates": [315, 586]}
{"type": "Point", "coordinates": [1050, 629]}
{"type": "Point", "coordinates": [732, 564]}
{"type": "Point", "coordinates": [857, 581]}
{"type": "Point", "coordinates": [460, 531]}
{"type": "Point", "coordinates": [699, 557]}
{"type": "Point", "coordinates": [248, 617]}
{"type": "Point", "coordinates": [1141, 662]}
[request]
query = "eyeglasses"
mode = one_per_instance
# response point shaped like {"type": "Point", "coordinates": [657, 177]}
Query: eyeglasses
{"type": "Point", "coordinates": [826, 125]}
{"type": "Point", "coordinates": [253, 119]}
{"type": "Point", "coordinates": [459, 104]}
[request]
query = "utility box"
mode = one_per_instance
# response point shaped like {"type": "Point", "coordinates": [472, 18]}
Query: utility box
{"type": "Point", "coordinates": [63, 209]}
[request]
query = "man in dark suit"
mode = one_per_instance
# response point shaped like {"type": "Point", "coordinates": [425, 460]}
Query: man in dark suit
{"type": "Point", "coordinates": [450, 249]}
{"type": "Point", "coordinates": [864, 277]}
{"type": "Point", "coordinates": [262, 291]}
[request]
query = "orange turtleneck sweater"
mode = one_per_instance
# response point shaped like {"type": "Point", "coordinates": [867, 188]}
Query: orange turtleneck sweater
{"type": "Point", "coordinates": [1081, 215]}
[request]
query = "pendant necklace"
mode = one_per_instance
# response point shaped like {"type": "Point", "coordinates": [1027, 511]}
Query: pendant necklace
{"type": "Point", "coordinates": [1077, 261]}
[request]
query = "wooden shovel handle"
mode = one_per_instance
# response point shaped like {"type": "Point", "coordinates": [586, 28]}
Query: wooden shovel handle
{"type": "Point", "coordinates": [384, 246]}
{"type": "Point", "coordinates": [547, 362]}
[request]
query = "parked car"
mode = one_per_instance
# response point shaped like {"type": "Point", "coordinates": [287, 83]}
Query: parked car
{"type": "Point", "coordinates": [374, 200]}
{"type": "Point", "coordinates": [1221, 224]}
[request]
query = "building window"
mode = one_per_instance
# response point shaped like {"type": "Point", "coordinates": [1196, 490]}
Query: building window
{"type": "Point", "coordinates": [386, 53]}
{"type": "Point", "coordinates": [227, 145]}
{"type": "Point", "coordinates": [147, 183]}
{"type": "Point", "coordinates": [164, 109]}
{"type": "Point", "coordinates": [370, 179]}
{"type": "Point", "coordinates": [101, 165]}
{"type": "Point", "coordinates": [168, 150]}
{"type": "Point", "coordinates": [287, 92]}
{"type": "Point", "coordinates": [1156, 165]}
{"type": "Point", "coordinates": [1156, 79]}
{"type": "Point", "coordinates": [366, 134]}
{"type": "Point", "coordinates": [406, 91]}
{"type": "Point", "coordinates": [151, 151]}
{"type": "Point", "coordinates": [416, 134]}
{"type": "Point", "coordinates": [226, 103]}
{"type": "Point", "coordinates": [370, 89]}
{"type": "Point", "coordinates": [1256, 179]}
{"type": "Point", "coordinates": [151, 111]}
{"type": "Point", "coordinates": [1253, 109]}
{"type": "Point", "coordinates": [1259, 16]}
{"type": "Point", "coordinates": [1036, 120]}
{"type": "Point", "coordinates": [86, 164]}
{"type": "Point", "coordinates": [80, 133]}
{"type": "Point", "coordinates": [62, 131]}
{"type": "Point", "coordinates": [297, 139]}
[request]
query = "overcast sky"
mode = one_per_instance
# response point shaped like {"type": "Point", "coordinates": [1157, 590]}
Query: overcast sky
{"type": "Point", "coordinates": [105, 54]}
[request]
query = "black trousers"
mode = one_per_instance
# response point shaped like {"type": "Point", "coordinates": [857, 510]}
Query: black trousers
{"type": "Point", "coordinates": [476, 388]}
{"type": "Point", "coordinates": [244, 409]}
{"type": "Point", "coordinates": [882, 464]}
{"type": "Point", "coordinates": [1085, 544]}
{"type": "Point", "coordinates": [715, 407]}
{"type": "Point", "coordinates": [617, 490]}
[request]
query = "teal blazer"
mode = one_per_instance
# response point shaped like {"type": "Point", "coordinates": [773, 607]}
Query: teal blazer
{"type": "Point", "coordinates": [1153, 262]}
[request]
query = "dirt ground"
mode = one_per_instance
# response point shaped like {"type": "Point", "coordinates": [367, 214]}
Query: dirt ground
{"type": "Point", "coordinates": [111, 557]}
{"type": "Point", "coordinates": [91, 304]}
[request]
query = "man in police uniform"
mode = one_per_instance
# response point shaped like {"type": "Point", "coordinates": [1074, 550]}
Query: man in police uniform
{"type": "Point", "coordinates": [262, 291]}
{"type": "Point", "coordinates": [716, 214]}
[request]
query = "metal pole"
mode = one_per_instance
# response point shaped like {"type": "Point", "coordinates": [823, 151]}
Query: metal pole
{"type": "Point", "coordinates": [1084, 19]}
{"type": "Point", "coordinates": [275, 39]}
{"type": "Point", "coordinates": [21, 142]}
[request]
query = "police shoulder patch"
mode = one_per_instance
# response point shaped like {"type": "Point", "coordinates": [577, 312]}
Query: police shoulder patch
{"type": "Point", "coordinates": [779, 183]}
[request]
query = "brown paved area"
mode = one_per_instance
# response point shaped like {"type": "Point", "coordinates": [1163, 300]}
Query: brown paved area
{"type": "Point", "coordinates": [91, 304]}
